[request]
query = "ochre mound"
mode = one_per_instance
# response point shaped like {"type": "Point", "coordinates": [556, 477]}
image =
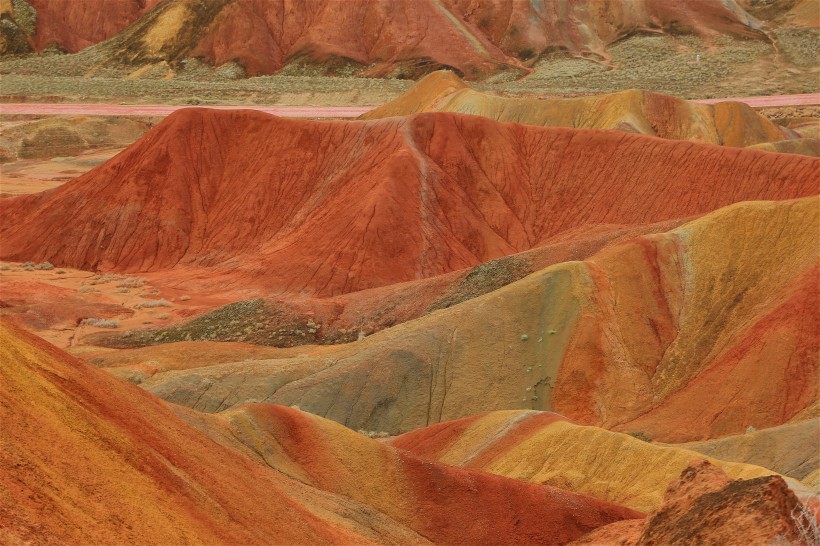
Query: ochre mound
{"type": "Point", "coordinates": [405, 37]}
{"type": "Point", "coordinates": [715, 331]}
{"type": "Point", "coordinates": [109, 463]}
{"type": "Point", "coordinates": [542, 447]}
{"type": "Point", "coordinates": [802, 146]}
{"type": "Point", "coordinates": [704, 506]}
{"type": "Point", "coordinates": [634, 111]}
{"type": "Point", "coordinates": [333, 207]}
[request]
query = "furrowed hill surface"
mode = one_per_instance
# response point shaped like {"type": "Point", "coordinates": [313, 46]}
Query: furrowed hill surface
{"type": "Point", "coordinates": [403, 38]}
{"type": "Point", "coordinates": [634, 111]}
{"type": "Point", "coordinates": [696, 333]}
{"type": "Point", "coordinates": [73, 436]}
{"type": "Point", "coordinates": [543, 447]}
{"type": "Point", "coordinates": [69, 25]}
{"type": "Point", "coordinates": [329, 208]}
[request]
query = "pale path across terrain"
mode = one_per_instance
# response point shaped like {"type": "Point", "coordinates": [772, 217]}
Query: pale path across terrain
{"type": "Point", "coordinates": [164, 110]}
{"type": "Point", "coordinates": [308, 111]}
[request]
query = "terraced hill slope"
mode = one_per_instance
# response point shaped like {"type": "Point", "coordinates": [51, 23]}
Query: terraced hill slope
{"type": "Point", "coordinates": [345, 206]}
{"type": "Point", "coordinates": [696, 333]}
{"type": "Point", "coordinates": [110, 463]}
{"type": "Point", "coordinates": [634, 111]}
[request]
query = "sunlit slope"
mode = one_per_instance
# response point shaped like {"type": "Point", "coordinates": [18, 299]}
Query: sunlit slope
{"type": "Point", "coordinates": [545, 448]}
{"type": "Point", "coordinates": [634, 111]}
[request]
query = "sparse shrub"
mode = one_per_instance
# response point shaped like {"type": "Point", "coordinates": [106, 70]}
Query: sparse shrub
{"type": "Point", "coordinates": [184, 298]}
{"type": "Point", "coordinates": [153, 303]}
{"type": "Point", "coordinates": [105, 279]}
{"type": "Point", "coordinates": [131, 282]}
{"type": "Point", "coordinates": [641, 435]}
{"type": "Point", "coordinates": [85, 289]}
{"type": "Point", "coordinates": [163, 316]}
{"type": "Point", "coordinates": [101, 323]}
{"type": "Point", "coordinates": [121, 290]}
{"type": "Point", "coordinates": [524, 337]}
{"type": "Point", "coordinates": [60, 272]}
{"type": "Point", "coordinates": [5, 267]}
{"type": "Point", "coordinates": [45, 266]}
{"type": "Point", "coordinates": [750, 429]}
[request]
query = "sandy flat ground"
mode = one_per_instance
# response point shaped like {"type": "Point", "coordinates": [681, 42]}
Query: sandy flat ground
{"type": "Point", "coordinates": [164, 110]}
{"type": "Point", "coordinates": [310, 111]}
{"type": "Point", "coordinates": [36, 175]}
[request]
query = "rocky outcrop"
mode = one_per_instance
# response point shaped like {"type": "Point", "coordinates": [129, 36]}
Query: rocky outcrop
{"type": "Point", "coordinates": [704, 506]}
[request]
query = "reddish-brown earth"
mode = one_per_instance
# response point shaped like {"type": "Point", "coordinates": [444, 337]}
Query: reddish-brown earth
{"type": "Point", "coordinates": [72, 25]}
{"type": "Point", "coordinates": [407, 37]}
{"type": "Point", "coordinates": [88, 458]}
{"type": "Point", "coordinates": [709, 328]}
{"type": "Point", "coordinates": [345, 206]}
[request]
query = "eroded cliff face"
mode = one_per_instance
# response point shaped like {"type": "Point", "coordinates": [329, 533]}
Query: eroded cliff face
{"type": "Point", "coordinates": [405, 38]}
{"type": "Point", "coordinates": [357, 205]}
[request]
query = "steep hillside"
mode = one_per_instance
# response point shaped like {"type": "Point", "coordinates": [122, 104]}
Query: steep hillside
{"type": "Point", "coordinates": [110, 463]}
{"type": "Point", "coordinates": [69, 25]}
{"type": "Point", "coordinates": [697, 333]}
{"type": "Point", "coordinates": [404, 38]}
{"type": "Point", "coordinates": [344, 206]}
{"type": "Point", "coordinates": [634, 111]}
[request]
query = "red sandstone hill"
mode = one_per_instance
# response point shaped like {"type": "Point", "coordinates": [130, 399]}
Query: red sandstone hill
{"type": "Point", "coordinates": [87, 458]}
{"type": "Point", "coordinates": [400, 37]}
{"type": "Point", "coordinates": [72, 25]}
{"type": "Point", "coordinates": [333, 207]}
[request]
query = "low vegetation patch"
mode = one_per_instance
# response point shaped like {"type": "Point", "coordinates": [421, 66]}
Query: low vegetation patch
{"type": "Point", "coordinates": [100, 323]}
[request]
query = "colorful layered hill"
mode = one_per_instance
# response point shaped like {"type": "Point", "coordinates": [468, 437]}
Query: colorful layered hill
{"type": "Point", "coordinates": [405, 38]}
{"type": "Point", "coordinates": [109, 463]}
{"type": "Point", "coordinates": [634, 111]}
{"type": "Point", "coordinates": [699, 332]}
{"type": "Point", "coordinates": [789, 449]}
{"type": "Point", "coordinates": [543, 447]}
{"type": "Point", "coordinates": [329, 208]}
